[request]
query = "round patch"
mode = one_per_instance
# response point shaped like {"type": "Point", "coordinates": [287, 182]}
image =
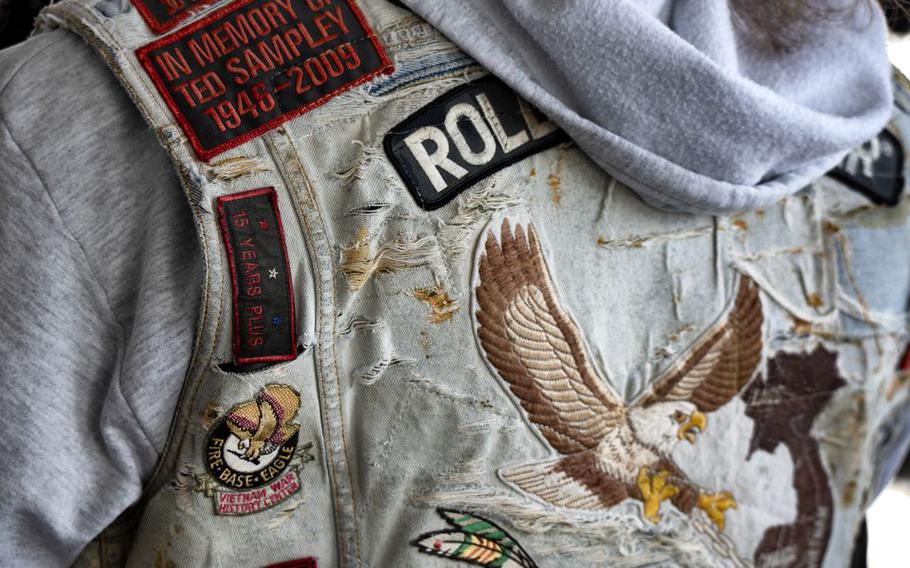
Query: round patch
{"type": "Point", "coordinates": [255, 441]}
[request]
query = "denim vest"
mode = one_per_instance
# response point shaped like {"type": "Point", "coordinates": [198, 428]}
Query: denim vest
{"type": "Point", "coordinates": [434, 333]}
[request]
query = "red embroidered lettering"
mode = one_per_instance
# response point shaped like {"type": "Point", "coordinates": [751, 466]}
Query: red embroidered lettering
{"type": "Point", "coordinates": [264, 328]}
{"type": "Point", "coordinates": [227, 77]}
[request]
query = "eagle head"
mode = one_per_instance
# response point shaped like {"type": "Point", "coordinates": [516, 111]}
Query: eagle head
{"type": "Point", "coordinates": [662, 424]}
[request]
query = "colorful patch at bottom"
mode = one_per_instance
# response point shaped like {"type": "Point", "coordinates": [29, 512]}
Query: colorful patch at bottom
{"type": "Point", "coordinates": [474, 540]}
{"type": "Point", "coordinates": [252, 453]}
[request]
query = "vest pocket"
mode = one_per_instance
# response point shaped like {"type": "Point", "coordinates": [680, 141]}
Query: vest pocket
{"type": "Point", "coordinates": [232, 368]}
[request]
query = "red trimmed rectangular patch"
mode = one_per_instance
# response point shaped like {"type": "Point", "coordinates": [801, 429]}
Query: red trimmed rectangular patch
{"type": "Point", "coordinates": [162, 15]}
{"type": "Point", "coordinates": [255, 64]}
{"type": "Point", "coordinates": [308, 562]}
{"type": "Point", "coordinates": [263, 294]}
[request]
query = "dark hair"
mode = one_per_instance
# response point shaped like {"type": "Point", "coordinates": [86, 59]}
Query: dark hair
{"type": "Point", "coordinates": [782, 25]}
{"type": "Point", "coordinates": [897, 12]}
{"type": "Point", "coordinates": [16, 19]}
{"type": "Point", "coordinates": [775, 24]}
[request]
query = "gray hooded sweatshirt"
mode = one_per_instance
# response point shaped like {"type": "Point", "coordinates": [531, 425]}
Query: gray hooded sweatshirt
{"type": "Point", "coordinates": [678, 102]}
{"type": "Point", "coordinates": [101, 272]}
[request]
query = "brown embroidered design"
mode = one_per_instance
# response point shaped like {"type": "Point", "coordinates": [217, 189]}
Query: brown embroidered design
{"type": "Point", "coordinates": [610, 451]}
{"type": "Point", "coordinates": [263, 425]}
{"type": "Point", "coordinates": [784, 405]}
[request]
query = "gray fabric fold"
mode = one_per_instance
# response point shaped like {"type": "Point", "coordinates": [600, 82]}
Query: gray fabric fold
{"type": "Point", "coordinates": [673, 99]}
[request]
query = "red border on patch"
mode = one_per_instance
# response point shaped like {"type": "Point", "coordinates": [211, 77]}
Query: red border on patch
{"type": "Point", "coordinates": [161, 27]}
{"type": "Point", "coordinates": [308, 562]}
{"type": "Point", "coordinates": [386, 67]}
{"type": "Point", "coordinates": [225, 235]}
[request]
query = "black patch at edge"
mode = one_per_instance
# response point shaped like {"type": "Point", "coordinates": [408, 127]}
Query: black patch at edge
{"type": "Point", "coordinates": [886, 184]}
{"type": "Point", "coordinates": [504, 102]}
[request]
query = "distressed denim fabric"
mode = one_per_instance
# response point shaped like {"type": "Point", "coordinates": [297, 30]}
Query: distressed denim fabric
{"type": "Point", "coordinates": [414, 428]}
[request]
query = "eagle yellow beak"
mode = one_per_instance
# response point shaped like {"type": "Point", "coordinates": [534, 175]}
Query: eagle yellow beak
{"type": "Point", "coordinates": [695, 425]}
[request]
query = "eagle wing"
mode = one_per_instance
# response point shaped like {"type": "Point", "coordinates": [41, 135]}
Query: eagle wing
{"type": "Point", "coordinates": [283, 403]}
{"type": "Point", "coordinates": [243, 420]}
{"type": "Point", "coordinates": [723, 360]}
{"type": "Point", "coordinates": [268, 421]}
{"type": "Point", "coordinates": [267, 417]}
{"type": "Point", "coordinates": [536, 347]}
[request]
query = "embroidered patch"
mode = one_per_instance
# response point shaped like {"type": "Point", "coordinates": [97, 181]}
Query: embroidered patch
{"type": "Point", "coordinates": [875, 169]}
{"type": "Point", "coordinates": [264, 326]}
{"type": "Point", "coordinates": [252, 452]}
{"type": "Point", "coordinates": [464, 136]}
{"type": "Point", "coordinates": [162, 15]}
{"type": "Point", "coordinates": [610, 450]}
{"type": "Point", "coordinates": [474, 540]}
{"type": "Point", "coordinates": [784, 406]}
{"type": "Point", "coordinates": [308, 562]}
{"type": "Point", "coordinates": [255, 64]}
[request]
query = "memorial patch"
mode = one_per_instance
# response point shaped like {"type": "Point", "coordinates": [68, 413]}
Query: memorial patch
{"type": "Point", "coordinates": [255, 64]}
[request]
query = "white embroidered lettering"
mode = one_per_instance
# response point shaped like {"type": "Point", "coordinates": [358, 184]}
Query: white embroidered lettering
{"type": "Point", "coordinates": [538, 129]}
{"type": "Point", "coordinates": [453, 118]}
{"type": "Point", "coordinates": [508, 142]}
{"type": "Point", "coordinates": [430, 163]}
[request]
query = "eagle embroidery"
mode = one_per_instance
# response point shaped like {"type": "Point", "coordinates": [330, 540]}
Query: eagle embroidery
{"type": "Point", "coordinates": [610, 450]}
{"type": "Point", "coordinates": [262, 425]}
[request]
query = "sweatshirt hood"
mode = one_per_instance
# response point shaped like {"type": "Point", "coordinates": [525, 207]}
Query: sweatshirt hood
{"type": "Point", "coordinates": [674, 100]}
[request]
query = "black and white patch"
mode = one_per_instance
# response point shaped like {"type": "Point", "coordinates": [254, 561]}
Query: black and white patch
{"type": "Point", "coordinates": [464, 136]}
{"type": "Point", "coordinates": [875, 169]}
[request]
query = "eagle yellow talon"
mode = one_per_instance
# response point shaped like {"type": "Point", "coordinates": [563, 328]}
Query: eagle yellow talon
{"type": "Point", "coordinates": [254, 450]}
{"type": "Point", "coordinates": [714, 505]}
{"type": "Point", "coordinates": [654, 489]}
